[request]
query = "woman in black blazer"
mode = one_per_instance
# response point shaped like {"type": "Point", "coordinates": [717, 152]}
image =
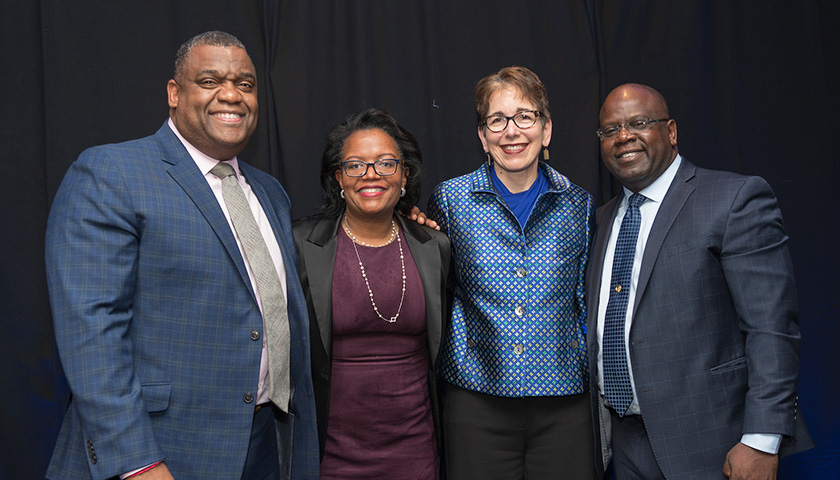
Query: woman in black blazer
{"type": "Point", "coordinates": [377, 290]}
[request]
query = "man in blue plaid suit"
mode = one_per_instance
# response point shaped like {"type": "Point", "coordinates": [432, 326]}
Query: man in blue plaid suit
{"type": "Point", "coordinates": [157, 319]}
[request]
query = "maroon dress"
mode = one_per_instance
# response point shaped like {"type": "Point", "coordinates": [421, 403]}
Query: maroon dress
{"type": "Point", "coordinates": [380, 421]}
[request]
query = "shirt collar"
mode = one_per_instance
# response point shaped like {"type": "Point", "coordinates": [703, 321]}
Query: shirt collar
{"type": "Point", "coordinates": [656, 191]}
{"type": "Point", "coordinates": [481, 181]}
{"type": "Point", "coordinates": [205, 162]}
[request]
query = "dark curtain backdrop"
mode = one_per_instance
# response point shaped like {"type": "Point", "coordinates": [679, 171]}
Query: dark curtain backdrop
{"type": "Point", "coordinates": [751, 85]}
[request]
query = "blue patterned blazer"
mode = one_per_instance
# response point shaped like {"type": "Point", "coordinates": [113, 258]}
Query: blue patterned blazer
{"type": "Point", "coordinates": [519, 316]}
{"type": "Point", "coordinates": [714, 342]}
{"type": "Point", "coordinates": [154, 315]}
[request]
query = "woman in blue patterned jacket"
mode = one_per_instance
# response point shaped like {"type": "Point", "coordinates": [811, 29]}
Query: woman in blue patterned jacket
{"type": "Point", "coordinates": [514, 358]}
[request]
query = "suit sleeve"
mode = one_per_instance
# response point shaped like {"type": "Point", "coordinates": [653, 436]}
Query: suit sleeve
{"type": "Point", "coordinates": [580, 292]}
{"type": "Point", "coordinates": [439, 212]}
{"type": "Point", "coordinates": [438, 208]}
{"type": "Point", "coordinates": [91, 256]}
{"type": "Point", "coordinates": [758, 270]}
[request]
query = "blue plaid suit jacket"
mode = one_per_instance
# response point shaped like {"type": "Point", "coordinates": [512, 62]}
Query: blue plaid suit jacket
{"type": "Point", "coordinates": [153, 314]}
{"type": "Point", "coordinates": [714, 342]}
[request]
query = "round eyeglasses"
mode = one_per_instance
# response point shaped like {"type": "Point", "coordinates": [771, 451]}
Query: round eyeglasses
{"type": "Point", "coordinates": [382, 167]}
{"type": "Point", "coordinates": [524, 119]}
{"type": "Point", "coordinates": [633, 126]}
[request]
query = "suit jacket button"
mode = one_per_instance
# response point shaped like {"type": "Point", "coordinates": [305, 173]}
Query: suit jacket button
{"type": "Point", "coordinates": [91, 452]}
{"type": "Point", "coordinates": [248, 398]}
{"type": "Point", "coordinates": [255, 335]}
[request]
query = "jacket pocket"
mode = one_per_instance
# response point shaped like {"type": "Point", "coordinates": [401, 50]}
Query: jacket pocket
{"type": "Point", "coordinates": [694, 243]}
{"type": "Point", "coordinates": [156, 396]}
{"type": "Point", "coordinates": [738, 363]}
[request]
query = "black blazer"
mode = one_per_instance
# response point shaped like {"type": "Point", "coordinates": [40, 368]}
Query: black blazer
{"type": "Point", "coordinates": [315, 240]}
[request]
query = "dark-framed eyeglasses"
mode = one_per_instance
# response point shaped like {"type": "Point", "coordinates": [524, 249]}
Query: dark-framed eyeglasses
{"type": "Point", "coordinates": [523, 119]}
{"type": "Point", "coordinates": [382, 167]}
{"type": "Point", "coordinates": [633, 126]}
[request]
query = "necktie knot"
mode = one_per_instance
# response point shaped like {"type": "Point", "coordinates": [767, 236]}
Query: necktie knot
{"type": "Point", "coordinates": [222, 170]}
{"type": "Point", "coordinates": [637, 199]}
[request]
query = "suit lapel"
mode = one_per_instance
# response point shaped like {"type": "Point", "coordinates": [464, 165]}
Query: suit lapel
{"type": "Point", "coordinates": [286, 243]}
{"type": "Point", "coordinates": [678, 193]}
{"type": "Point", "coordinates": [186, 173]}
{"type": "Point", "coordinates": [603, 227]}
{"type": "Point", "coordinates": [427, 259]}
{"type": "Point", "coordinates": [319, 257]}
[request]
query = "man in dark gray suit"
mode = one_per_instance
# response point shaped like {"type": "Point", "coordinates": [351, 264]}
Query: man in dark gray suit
{"type": "Point", "coordinates": [694, 370]}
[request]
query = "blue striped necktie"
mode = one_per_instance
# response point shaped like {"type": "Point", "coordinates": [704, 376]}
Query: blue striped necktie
{"type": "Point", "coordinates": [616, 377]}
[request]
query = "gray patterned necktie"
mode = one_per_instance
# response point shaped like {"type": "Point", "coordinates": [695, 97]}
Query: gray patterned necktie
{"type": "Point", "coordinates": [275, 315]}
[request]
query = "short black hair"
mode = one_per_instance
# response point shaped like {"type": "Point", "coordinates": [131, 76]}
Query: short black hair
{"type": "Point", "coordinates": [213, 38]}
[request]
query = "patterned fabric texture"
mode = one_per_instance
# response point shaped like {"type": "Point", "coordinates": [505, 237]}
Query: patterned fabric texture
{"type": "Point", "coordinates": [617, 387]}
{"type": "Point", "coordinates": [519, 317]}
{"type": "Point", "coordinates": [154, 315]}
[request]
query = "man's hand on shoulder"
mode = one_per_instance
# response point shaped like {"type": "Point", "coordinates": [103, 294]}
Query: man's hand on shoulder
{"type": "Point", "coordinates": [747, 463]}
{"type": "Point", "coordinates": [421, 218]}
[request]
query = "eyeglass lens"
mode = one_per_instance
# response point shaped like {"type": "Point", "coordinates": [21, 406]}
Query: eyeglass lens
{"type": "Point", "coordinates": [358, 168]}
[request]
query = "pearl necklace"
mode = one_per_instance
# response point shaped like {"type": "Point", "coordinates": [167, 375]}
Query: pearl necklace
{"type": "Point", "coordinates": [356, 240]}
{"type": "Point", "coordinates": [394, 234]}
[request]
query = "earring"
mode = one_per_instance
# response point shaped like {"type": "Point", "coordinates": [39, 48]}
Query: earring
{"type": "Point", "coordinates": [342, 194]}
{"type": "Point", "coordinates": [545, 153]}
{"type": "Point", "coordinates": [402, 192]}
{"type": "Point", "coordinates": [489, 160]}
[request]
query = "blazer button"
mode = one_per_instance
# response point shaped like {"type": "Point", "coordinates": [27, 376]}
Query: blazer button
{"type": "Point", "coordinates": [255, 335]}
{"type": "Point", "coordinates": [91, 452]}
{"type": "Point", "coordinates": [248, 397]}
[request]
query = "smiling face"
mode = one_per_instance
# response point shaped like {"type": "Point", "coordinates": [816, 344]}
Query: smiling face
{"type": "Point", "coordinates": [372, 196]}
{"type": "Point", "coordinates": [514, 150]}
{"type": "Point", "coordinates": [214, 103]}
{"type": "Point", "coordinates": [637, 159]}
